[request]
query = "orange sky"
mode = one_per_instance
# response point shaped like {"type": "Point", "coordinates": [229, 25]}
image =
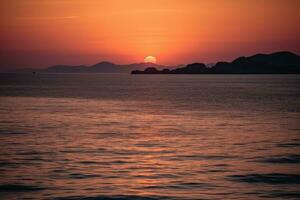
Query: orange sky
{"type": "Point", "coordinates": [39, 33]}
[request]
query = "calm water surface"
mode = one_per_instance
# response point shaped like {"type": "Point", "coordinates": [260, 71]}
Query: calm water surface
{"type": "Point", "coordinates": [119, 136]}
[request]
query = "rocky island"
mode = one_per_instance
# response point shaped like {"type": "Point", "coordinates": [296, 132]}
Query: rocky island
{"type": "Point", "coordinates": [275, 63]}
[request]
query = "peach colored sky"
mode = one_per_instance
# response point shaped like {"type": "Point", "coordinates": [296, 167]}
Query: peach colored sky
{"type": "Point", "coordinates": [39, 33]}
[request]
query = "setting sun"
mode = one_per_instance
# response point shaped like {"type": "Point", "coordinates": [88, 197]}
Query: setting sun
{"type": "Point", "coordinates": [150, 59]}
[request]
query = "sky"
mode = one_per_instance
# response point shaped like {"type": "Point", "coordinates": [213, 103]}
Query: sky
{"type": "Point", "coordinates": [41, 33]}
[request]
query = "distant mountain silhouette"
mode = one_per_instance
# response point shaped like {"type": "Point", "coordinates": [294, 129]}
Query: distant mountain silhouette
{"type": "Point", "coordinates": [275, 63]}
{"type": "Point", "coordinates": [65, 69]}
{"type": "Point", "coordinates": [102, 67]}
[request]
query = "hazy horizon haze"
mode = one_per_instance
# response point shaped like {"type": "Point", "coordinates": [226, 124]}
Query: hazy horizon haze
{"type": "Point", "coordinates": [44, 33]}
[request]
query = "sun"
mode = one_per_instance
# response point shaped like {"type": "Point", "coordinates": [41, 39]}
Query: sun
{"type": "Point", "coordinates": [150, 59]}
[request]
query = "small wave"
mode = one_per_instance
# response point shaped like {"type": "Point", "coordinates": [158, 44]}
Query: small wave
{"type": "Point", "coordinates": [12, 133]}
{"type": "Point", "coordinates": [222, 165]}
{"type": "Point", "coordinates": [82, 150]}
{"type": "Point", "coordinates": [280, 194]}
{"type": "Point", "coordinates": [7, 164]}
{"type": "Point", "coordinates": [157, 176]}
{"type": "Point", "coordinates": [4, 164]}
{"type": "Point", "coordinates": [202, 157]}
{"type": "Point", "coordinates": [183, 186]}
{"type": "Point", "coordinates": [59, 171]}
{"type": "Point", "coordinates": [273, 178]}
{"type": "Point", "coordinates": [88, 162]}
{"type": "Point", "coordinates": [291, 144]}
{"type": "Point", "coordinates": [34, 152]}
{"type": "Point", "coordinates": [82, 176]}
{"type": "Point", "coordinates": [118, 197]}
{"type": "Point", "coordinates": [19, 188]}
{"type": "Point", "coordinates": [287, 159]}
{"type": "Point", "coordinates": [216, 171]}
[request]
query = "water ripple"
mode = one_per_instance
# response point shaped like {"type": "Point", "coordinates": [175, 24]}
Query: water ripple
{"type": "Point", "coordinates": [19, 188]}
{"type": "Point", "coordinates": [280, 194]}
{"type": "Point", "coordinates": [290, 144]}
{"type": "Point", "coordinates": [286, 159]}
{"type": "Point", "coordinates": [117, 197]}
{"type": "Point", "coordinates": [272, 178]}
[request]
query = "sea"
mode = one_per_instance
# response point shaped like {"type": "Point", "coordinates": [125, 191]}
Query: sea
{"type": "Point", "coordinates": [149, 137]}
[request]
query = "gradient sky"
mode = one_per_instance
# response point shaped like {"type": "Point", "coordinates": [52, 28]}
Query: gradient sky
{"type": "Point", "coordinates": [39, 33]}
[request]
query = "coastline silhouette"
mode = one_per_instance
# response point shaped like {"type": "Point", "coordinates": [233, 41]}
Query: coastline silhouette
{"type": "Point", "coordinates": [275, 63]}
{"type": "Point", "coordinates": [283, 62]}
{"type": "Point", "coordinates": [102, 67]}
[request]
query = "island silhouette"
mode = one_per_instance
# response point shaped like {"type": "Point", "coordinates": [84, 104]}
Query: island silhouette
{"type": "Point", "coordinates": [276, 63]}
{"type": "Point", "coordinates": [283, 62]}
{"type": "Point", "coordinates": [101, 67]}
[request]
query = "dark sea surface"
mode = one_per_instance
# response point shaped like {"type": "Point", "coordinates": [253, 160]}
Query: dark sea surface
{"type": "Point", "coordinates": [149, 137]}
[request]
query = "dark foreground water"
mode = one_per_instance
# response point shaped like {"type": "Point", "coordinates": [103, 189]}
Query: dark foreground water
{"type": "Point", "coordinates": [119, 136]}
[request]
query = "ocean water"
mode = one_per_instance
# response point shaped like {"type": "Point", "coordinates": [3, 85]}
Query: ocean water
{"type": "Point", "coordinates": [149, 137]}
